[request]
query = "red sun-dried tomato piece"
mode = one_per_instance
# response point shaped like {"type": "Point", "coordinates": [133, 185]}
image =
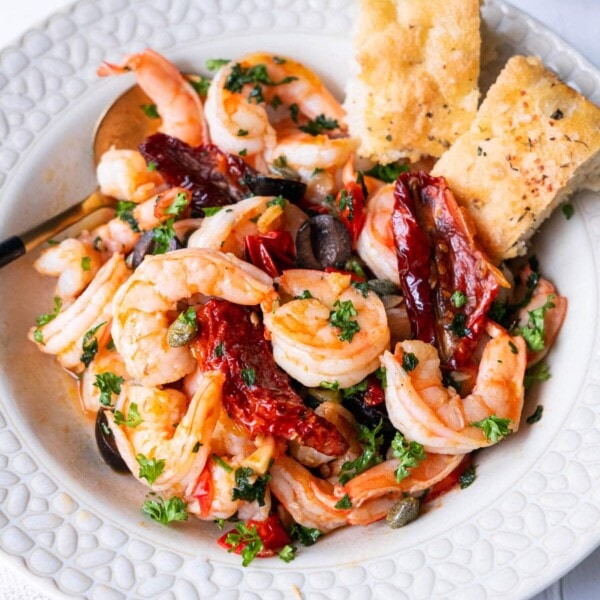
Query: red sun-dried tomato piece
{"type": "Point", "coordinates": [257, 393]}
{"type": "Point", "coordinates": [448, 282]}
{"type": "Point", "coordinates": [273, 252]}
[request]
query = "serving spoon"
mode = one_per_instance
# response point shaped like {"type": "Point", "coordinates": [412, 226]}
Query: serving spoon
{"type": "Point", "coordinates": [123, 125]}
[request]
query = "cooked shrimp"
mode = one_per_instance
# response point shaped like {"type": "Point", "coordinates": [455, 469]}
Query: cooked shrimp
{"type": "Point", "coordinates": [310, 501]}
{"type": "Point", "coordinates": [177, 102]}
{"type": "Point", "coordinates": [238, 124]}
{"type": "Point", "coordinates": [553, 317]}
{"type": "Point", "coordinates": [74, 262]}
{"type": "Point", "coordinates": [124, 174]}
{"type": "Point", "coordinates": [143, 304]}
{"type": "Point", "coordinates": [308, 346]}
{"type": "Point", "coordinates": [172, 430]}
{"type": "Point", "coordinates": [232, 448]}
{"type": "Point", "coordinates": [105, 361]}
{"type": "Point", "coordinates": [64, 335]}
{"type": "Point", "coordinates": [427, 412]}
{"type": "Point", "coordinates": [227, 229]}
{"type": "Point", "coordinates": [375, 243]}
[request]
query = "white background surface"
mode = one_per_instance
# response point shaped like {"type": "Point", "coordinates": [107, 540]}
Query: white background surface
{"type": "Point", "coordinates": [576, 21]}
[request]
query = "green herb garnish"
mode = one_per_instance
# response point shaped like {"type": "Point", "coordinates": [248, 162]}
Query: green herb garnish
{"type": "Point", "coordinates": [410, 454]}
{"type": "Point", "coordinates": [287, 553]}
{"type": "Point", "coordinates": [467, 477]}
{"type": "Point", "coordinates": [307, 536]}
{"type": "Point", "coordinates": [124, 211]}
{"type": "Point", "coordinates": [38, 336]}
{"type": "Point", "coordinates": [108, 383]}
{"type": "Point", "coordinates": [370, 456]}
{"type": "Point", "coordinates": [150, 469]}
{"type": "Point", "coordinates": [150, 111]}
{"type": "Point", "coordinates": [344, 504]}
{"type": "Point", "coordinates": [89, 345]}
{"type": "Point", "coordinates": [246, 540]}
{"type": "Point", "coordinates": [133, 418]}
{"type": "Point", "coordinates": [247, 491]}
{"type": "Point", "coordinates": [318, 125]}
{"type": "Point", "coordinates": [494, 428]}
{"type": "Point", "coordinates": [341, 318]}
{"type": "Point", "coordinates": [536, 415]}
{"type": "Point", "coordinates": [249, 376]}
{"type": "Point", "coordinates": [388, 173]}
{"type": "Point", "coordinates": [166, 511]}
{"type": "Point", "coordinates": [409, 361]}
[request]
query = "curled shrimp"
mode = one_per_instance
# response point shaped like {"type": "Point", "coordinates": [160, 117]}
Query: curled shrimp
{"type": "Point", "coordinates": [305, 342]}
{"type": "Point", "coordinates": [227, 229]}
{"type": "Point", "coordinates": [143, 304]}
{"type": "Point", "coordinates": [375, 244]}
{"type": "Point", "coordinates": [425, 411]}
{"type": "Point", "coordinates": [238, 124]}
{"type": "Point", "coordinates": [171, 430]}
{"type": "Point", "coordinates": [232, 448]}
{"type": "Point", "coordinates": [74, 262]}
{"type": "Point", "coordinates": [64, 334]}
{"type": "Point", "coordinates": [124, 174]}
{"type": "Point", "coordinates": [177, 102]}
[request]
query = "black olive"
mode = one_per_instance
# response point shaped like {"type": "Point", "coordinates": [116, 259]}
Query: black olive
{"type": "Point", "coordinates": [323, 241]}
{"type": "Point", "coordinates": [370, 416]}
{"type": "Point", "coordinates": [384, 287]}
{"type": "Point", "coordinates": [107, 445]}
{"type": "Point", "coordinates": [147, 245]}
{"type": "Point", "coordinates": [261, 185]}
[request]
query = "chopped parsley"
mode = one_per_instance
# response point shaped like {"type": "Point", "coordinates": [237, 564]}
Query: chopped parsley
{"type": "Point", "coordinates": [124, 211]}
{"type": "Point", "coordinates": [242, 132]}
{"type": "Point", "coordinates": [409, 361]}
{"type": "Point", "coordinates": [294, 112]}
{"type": "Point", "coordinates": [277, 201]}
{"type": "Point", "coordinates": [381, 374]}
{"type": "Point", "coordinates": [362, 287]}
{"type": "Point", "coordinates": [257, 74]}
{"type": "Point", "coordinates": [359, 387]}
{"type": "Point", "coordinates": [305, 295]}
{"type": "Point", "coordinates": [108, 383]}
{"type": "Point", "coordinates": [344, 504]}
{"type": "Point", "coordinates": [243, 152]}
{"type": "Point", "coordinates": [370, 456]}
{"type": "Point", "coordinates": [133, 418]}
{"type": "Point", "coordinates": [45, 318]}
{"type": "Point", "coordinates": [276, 102]}
{"type": "Point", "coordinates": [568, 210]}
{"type": "Point", "coordinates": [89, 345]}
{"type": "Point", "coordinates": [459, 325]}
{"type": "Point", "coordinates": [214, 64]}
{"type": "Point", "coordinates": [410, 454]}
{"type": "Point", "coordinates": [352, 264]}
{"type": "Point", "coordinates": [538, 372]}
{"type": "Point", "coordinates": [225, 466]}
{"type": "Point", "coordinates": [341, 318]}
{"type": "Point", "coordinates": [388, 173]}
{"type": "Point", "coordinates": [196, 447]}
{"type": "Point", "coordinates": [287, 553]}
{"type": "Point", "coordinates": [201, 85]}
{"type": "Point", "coordinates": [307, 536]}
{"type": "Point", "coordinates": [459, 299]}
{"type": "Point", "coordinates": [467, 477]}
{"type": "Point", "coordinates": [166, 511]}
{"type": "Point", "coordinates": [536, 415]}
{"type": "Point", "coordinates": [330, 385]}
{"type": "Point", "coordinates": [209, 211]}
{"type": "Point", "coordinates": [152, 166]}
{"type": "Point", "coordinates": [246, 540]}
{"type": "Point", "coordinates": [494, 428]}
{"type": "Point", "coordinates": [247, 491]}
{"type": "Point", "coordinates": [178, 205]}
{"type": "Point", "coordinates": [533, 332]}
{"type": "Point", "coordinates": [220, 522]}
{"type": "Point", "coordinates": [163, 236]}
{"type": "Point", "coordinates": [249, 376]}
{"type": "Point", "coordinates": [150, 468]}
{"type": "Point", "coordinates": [513, 348]}
{"type": "Point", "coordinates": [219, 350]}
{"type": "Point", "coordinates": [86, 263]}
{"type": "Point", "coordinates": [150, 111]}
{"type": "Point", "coordinates": [318, 125]}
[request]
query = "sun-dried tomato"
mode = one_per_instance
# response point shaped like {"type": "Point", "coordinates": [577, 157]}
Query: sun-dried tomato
{"type": "Point", "coordinates": [271, 532]}
{"type": "Point", "coordinates": [448, 282]}
{"type": "Point", "coordinates": [350, 203]}
{"type": "Point", "coordinates": [204, 491]}
{"type": "Point", "coordinates": [256, 392]}
{"type": "Point", "coordinates": [374, 396]}
{"type": "Point", "coordinates": [214, 177]}
{"type": "Point", "coordinates": [273, 252]}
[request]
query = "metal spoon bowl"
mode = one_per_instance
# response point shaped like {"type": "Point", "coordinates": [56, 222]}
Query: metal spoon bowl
{"type": "Point", "coordinates": [123, 125]}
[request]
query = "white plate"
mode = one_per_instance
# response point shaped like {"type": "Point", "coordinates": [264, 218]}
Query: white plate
{"type": "Point", "coordinates": [75, 526]}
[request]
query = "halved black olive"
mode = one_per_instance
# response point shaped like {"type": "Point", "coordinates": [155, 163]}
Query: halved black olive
{"type": "Point", "coordinates": [323, 241]}
{"type": "Point", "coordinates": [384, 287]}
{"type": "Point", "coordinates": [105, 440]}
{"type": "Point", "coordinates": [261, 185]}
{"type": "Point", "coordinates": [146, 245]}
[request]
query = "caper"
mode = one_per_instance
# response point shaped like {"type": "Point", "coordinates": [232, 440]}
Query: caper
{"type": "Point", "coordinates": [181, 332]}
{"type": "Point", "coordinates": [403, 512]}
{"type": "Point", "coordinates": [324, 395]}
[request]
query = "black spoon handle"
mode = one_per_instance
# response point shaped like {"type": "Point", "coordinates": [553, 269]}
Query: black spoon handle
{"type": "Point", "coordinates": [16, 246]}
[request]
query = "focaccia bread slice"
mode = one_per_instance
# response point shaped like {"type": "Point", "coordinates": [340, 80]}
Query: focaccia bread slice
{"type": "Point", "coordinates": [533, 142]}
{"type": "Point", "coordinates": [414, 90]}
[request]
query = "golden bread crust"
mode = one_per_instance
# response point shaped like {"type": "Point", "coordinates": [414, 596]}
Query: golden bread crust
{"type": "Point", "coordinates": [533, 139]}
{"type": "Point", "coordinates": [416, 87]}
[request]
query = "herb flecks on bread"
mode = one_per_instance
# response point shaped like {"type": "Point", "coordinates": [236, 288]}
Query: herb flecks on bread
{"type": "Point", "coordinates": [533, 142]}
{"type": "Point", "coordinates": [415, 90]}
